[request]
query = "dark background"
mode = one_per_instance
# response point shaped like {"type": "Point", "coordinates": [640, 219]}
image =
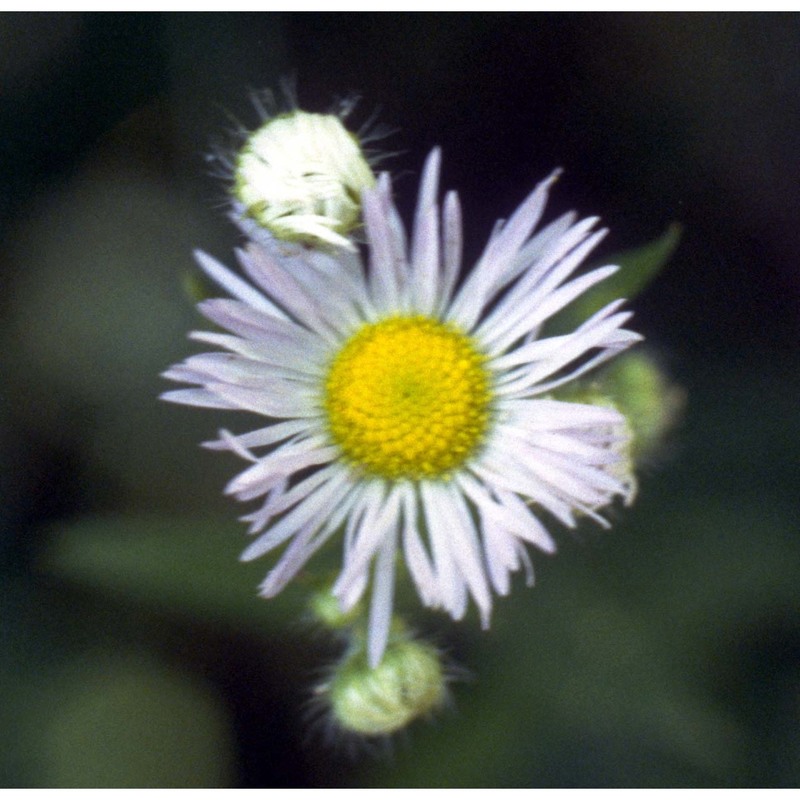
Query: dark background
{"type": "Point", "coordinates": [666, 653]}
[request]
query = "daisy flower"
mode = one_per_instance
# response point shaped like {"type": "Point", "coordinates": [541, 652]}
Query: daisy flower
{"type": "Point", "coordinates": [410, 412]}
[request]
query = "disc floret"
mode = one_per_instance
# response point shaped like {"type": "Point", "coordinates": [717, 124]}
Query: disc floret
{"type": "Point", "coordinates": [408, 397]}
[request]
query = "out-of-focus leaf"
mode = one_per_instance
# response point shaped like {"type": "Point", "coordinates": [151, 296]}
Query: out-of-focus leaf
{"type": "Point", "coordinates": [637, 268]}
{"type": "Point", "coordinates": [188, 566]}
{"type": "Point", "coordinates": [131, 722]}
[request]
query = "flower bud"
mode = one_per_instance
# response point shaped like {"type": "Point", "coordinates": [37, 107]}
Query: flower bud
{"type": "Point", "coordinates": [327, 610]}
{"type": "Point", "coordinates": [640, 391]}
{"type": "Point", "coordinates": [300, 176]}
{"type": "Point", "coordinates": [408, 683]}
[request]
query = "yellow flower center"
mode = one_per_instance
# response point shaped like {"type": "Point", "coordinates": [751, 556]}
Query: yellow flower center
{"type": "Point", "coordinates": [408, 397]}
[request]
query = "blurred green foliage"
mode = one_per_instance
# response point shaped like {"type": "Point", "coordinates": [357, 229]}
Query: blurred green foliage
{"type": "Point", "coordinates": [189, 566]}
{"type": "Point", "coordinates": [131, 722]}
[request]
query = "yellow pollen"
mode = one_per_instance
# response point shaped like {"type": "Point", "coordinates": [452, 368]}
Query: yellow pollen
{"type": "Point", "coordinates": [408, 397]}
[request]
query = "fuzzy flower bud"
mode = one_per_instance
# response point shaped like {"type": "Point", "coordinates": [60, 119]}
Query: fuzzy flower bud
{"type": "Point", "coordinates": [300, 176]}
{"type": "Point", "coordinates": [651, 404]}
{"type": "Point", "coordinates": [327, 611]}
{"type": "Point", "coordinates": [408, 683]}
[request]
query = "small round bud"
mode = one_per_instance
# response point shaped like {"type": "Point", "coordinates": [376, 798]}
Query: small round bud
{"type": "Point", "coordinates": [300, 176]}
{"type": "Point", "coordinates": [408, 683]}
{"type": "Point", "coordinates": [642, 393]}
{"type": "Point", "coordinates": [327, 610]}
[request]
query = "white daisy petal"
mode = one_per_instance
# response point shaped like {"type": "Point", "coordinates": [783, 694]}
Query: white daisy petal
{"type": "Point", "coordinates": [443, 532]}
{"type": "Point", "coordinates": [417, 559]}
{"type": "Point", "coordinates": [540, 244]}
{"type": "Point", "coordinates": [360, 508]}
{"type": "Point", "coordinates": [384, 285]}
{"type": "Point", "coordinates": [500, 552]}
{"type": "Point", "coordinates": [286, 462]}
{"type": "Point", "coordinates": [302, 280]}
{"type": "Point", "coordinates": [495, 470]}
{"type": "Point", "coordinates": [287, 356]}
{"type": "Point", "coordinates": [183, 373]}
{"type": "Point", "coordinates": [539, 349]}
{"type": "Point", "coordinates": [381, 516]}
{"type": "Point", "coordinates": [288, 293]}
{"type": "Point", "coordinates": [498, 258]}
{"type": "Point", "coordinates": [234, 285]}
{"type": "Point", "coordinates": [258, 327]}
{"type": "Point", "coordinates": [425, 245]}
{"type": "Point", "coordinates": [299, 491]}
{"type": "Point", "coordinates": [452, 243]}
{"type": "Point", "coordinates": [583, 341]}
{"type": "Point", "coordinates": [290, 562]}
{"type": "Point", "coordinates": [380, 610]}
{"type": "Point", "coordinates": [507, 512]}
{"type": "Point", "coordinates": [281, 399]}
{"type": "Point", "coordinates": [261, 437]}
{"type": "Point", "coordinates": [467, 553]}
{"type": "Point", "coordinates": [525, 525]}
{"type": "Point", "coordinates": [196, 397]}
{"type": "Point", "coordinates": [513, 304]}
{"type": "Point", "coordinates": [587, 366]}
{"type": "Point", "coordinates": [313, 509]}
{"type": "Point", "coordinates": [303, 546]}
{"type": "Point", "coordinates": [229, 368]}
{"type": "Point", "coordinates": [530, 315]}
{"type": "Point", "coordinates": [227, 441]}
{"type": "Point", "coordinates": [574, 447]}
{"type": "Point", "coordinates": [547, 414]}
{"type": "Point", "coordinates": [566, 262]}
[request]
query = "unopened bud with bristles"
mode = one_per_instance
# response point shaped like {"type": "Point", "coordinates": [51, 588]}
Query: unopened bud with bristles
{"type": "Point", "coordinates": [300, 176]}
{"type": "Point", "coordinates": [650, 402]}
{"type": "Point", "coordinates": [409, 683]}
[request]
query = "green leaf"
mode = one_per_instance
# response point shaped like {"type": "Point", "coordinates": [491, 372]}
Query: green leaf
{"type": "Point", "coordinates": [637, 268]}
{"type": "Point", "coordinates": [129, 721]}
{"type": "Point", "coordinates": [187, 566]}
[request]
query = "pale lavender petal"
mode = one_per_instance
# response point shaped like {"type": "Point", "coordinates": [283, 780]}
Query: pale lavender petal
{"type": "Point", "coordinates": [513, 304]}
{"type": "Point", "coordinates": [261, 437]}
{"type": "Point", "coordinates": [416, 556]}
{"type": "Point", "coordinates": [489, 273]}
{"type": "Point", "coordinates": [281, 400]}
{"type": "Point", "coordinates": [313, 510]}
{"type": "Point", "coordinates": [197, 397]}
{"type": "Point", "coordinates": [380, 610]}
{"type": "Point", "coordinates": [452, 244]}
{"type": "Point", "coordinates": [293, 298]}
{"type": "Point", "coordinates": [234, 285]}
{"type": "Point", "coordinates": [452, 587]}
{"type": "Point", "coordinates": [425, 244]}
{"type": "Point", "coordinates": [383, 283]}
{"type": "Point", "coordinates": [381, 517]}
{"type": "Point", "coordinates": [593, 336]}
{"type": "Point", "coordinates": [287, 461]}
